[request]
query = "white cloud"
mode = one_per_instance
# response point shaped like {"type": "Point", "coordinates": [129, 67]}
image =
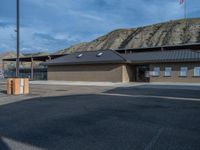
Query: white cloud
{"type": "Point", "coordinates": [55, 24]}
{"type": "Point", "coordinates": [62, 36]}
{"type": "Point", "coordinates": [88, 16]}
{"type": "Point", "coordinates": [7, 42]}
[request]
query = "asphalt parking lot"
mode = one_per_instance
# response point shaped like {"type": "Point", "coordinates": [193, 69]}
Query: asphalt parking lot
{"type": "Point", "coordinates": [101, 118]}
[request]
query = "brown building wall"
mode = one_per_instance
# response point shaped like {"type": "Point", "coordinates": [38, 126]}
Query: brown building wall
{"type": "Point", "coordinates": [175, 73]}
{"type": "Point", "coordinates": [128, 73]}
{"type": "Point", "coordinates": [104, 73]}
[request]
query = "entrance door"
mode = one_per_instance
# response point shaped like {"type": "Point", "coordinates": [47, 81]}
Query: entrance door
{"type": "Point", "coordinates": [142, 73]}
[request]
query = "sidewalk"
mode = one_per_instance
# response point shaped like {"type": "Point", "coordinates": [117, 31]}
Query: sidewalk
{"type": "Point", "coordinates": [80, 83]}
{"type": "Point", "coordinates": [170, 85]}
{"type": "Point", "coordinates": [163, 85]}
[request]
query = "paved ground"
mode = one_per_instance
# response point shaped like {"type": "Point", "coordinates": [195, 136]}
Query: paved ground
{"type": "Point", "coordinates": [144, 117]}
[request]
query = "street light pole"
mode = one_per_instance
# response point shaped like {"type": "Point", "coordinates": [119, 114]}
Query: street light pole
{"type": "Point", "coordinates": [18, 39]}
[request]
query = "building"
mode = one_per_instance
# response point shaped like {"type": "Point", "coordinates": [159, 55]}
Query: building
{"type": "Point", "coordinates": [33, 70]}
{"type": "Point", "coordinates": [159, 65]}
{"type": "Point", "coordinates": [180, 63]}
{"type": "Point", "coordinates": [89, 66]}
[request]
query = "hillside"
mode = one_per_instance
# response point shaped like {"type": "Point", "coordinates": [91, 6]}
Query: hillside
{"type": "Point", "coordinates": [7, 55]}
{"type": "Point", "coordinates": [168, 33]}
{"type": "Point", "coordinates": [13, 55]}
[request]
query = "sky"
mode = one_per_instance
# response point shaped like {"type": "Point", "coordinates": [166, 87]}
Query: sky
{"type": "Point", "coordinates": [52, 25]}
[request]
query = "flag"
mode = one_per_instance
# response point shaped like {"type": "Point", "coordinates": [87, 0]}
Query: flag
{"type": "Point", "coordinates": [182, 2]}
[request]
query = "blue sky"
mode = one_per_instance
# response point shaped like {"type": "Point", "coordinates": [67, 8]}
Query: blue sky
{"type": "Point", "coordinates": [51, 25]}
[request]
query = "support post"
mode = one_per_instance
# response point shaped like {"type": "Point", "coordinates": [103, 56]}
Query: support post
{"type": "Point", "coordinates": [3, 68]}
{"type": "Point", "coordinates": [32, 68]}
{"type": "Point", "coordinates": [49, 57]}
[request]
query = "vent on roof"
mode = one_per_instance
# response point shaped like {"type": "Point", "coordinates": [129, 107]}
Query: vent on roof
{"type": "Point", "coordinates": [80, 55]}
{"type": "Point", "coordinates": [99, 54]}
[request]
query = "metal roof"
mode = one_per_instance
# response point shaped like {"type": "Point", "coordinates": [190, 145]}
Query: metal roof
{"type": "Point", "coordinates": [163, 56]}
{"type": "Point", "coordinates": [192, 46]}
{"type": "Point", "coordinates": [88, 57]}
{"type": "Point", "coordinates": [35, 58]}
{"type": "Point", "coordinates": [110, 56]}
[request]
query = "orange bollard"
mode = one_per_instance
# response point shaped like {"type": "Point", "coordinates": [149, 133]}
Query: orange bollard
{"type": "Point", "coordinates": [26, 86]}
{"type": "Point", "coordinates": [9, 84]}
{"type": "Point", "coordinates": [16, 86]}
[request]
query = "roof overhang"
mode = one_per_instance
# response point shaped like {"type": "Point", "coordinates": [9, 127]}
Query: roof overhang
{"type": "Point", "coordinates": [84, 63]}
{"type": "Point", "coordinates": [35, 58]}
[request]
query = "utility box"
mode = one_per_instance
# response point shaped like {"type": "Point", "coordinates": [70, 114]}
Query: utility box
{"type": "Point", "coordinates": [18, 86]}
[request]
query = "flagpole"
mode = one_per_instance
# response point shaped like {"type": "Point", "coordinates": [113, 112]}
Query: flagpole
{"type": "Point", "coordinates": [18, 32]}
{"type": "Point", "coordinates": [186, 23]}
{"type": "Point", "coordinates": [185, 10]}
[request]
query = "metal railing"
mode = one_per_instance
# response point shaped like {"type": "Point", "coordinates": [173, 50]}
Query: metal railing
{"type": "Point", "coordinates": [39, 73]}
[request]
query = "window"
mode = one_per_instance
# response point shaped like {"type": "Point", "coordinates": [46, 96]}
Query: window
{"type": "Point", "coordinates": [99, 54]}
{"type": "Point", "coordinates": [168, 71]}
{"type": "Point", "coordinates": [197, 71]}
{"type": "Point", "coordinates": [80, 55]}
{"type": "Point", "coordinates": [156, 71]}
{"type": "Point", "coordinates": [184, 71]}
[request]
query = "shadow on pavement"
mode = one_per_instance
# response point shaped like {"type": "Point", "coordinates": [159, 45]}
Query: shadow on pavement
{"type": "Point", "coordinates": [84, 122]}
{"type": "Point", "coordinates": [158, 90]}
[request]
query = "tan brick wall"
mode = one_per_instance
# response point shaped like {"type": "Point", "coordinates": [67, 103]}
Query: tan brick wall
{"type": "Point", "coordinates": [175, 73]}
{"type": "Point", "coordinates": [128, 73]}
{"type": "Point", "coordinates": [108, 72]}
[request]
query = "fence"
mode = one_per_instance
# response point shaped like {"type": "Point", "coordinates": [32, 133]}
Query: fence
{"type": "Point", "coordinates": [38, 73]}
{"type": "Point", "coordinates": [1, 74]}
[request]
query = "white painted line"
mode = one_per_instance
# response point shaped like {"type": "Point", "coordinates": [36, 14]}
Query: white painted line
{"type": "Point", "coordinates": [175, 83]}
{"type": "Point", "coordinates": [154, 140]}
{"type": "Point", "coordinates": [13, 144]}
{"type": "Point", "coordinates": [150, 96]}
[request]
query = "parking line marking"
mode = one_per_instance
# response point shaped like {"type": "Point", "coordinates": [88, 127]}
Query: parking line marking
{"type": "Point", "coordinates": [154, 140]}
{"type": "Point", "coordinates": [13, 144]}
{"type": "Point", "coordinates": [151, 96]}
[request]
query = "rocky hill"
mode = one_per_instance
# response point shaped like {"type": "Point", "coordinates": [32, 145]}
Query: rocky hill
{"type": "Point", "coordinates": [13, 55]}
{"type": "Point", "coordinates": [168, 33]}
{"type": "Point", "coordinates": [7, 55]}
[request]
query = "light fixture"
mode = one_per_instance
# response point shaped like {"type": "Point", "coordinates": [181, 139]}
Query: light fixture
{"type": "Point", "coordinates": [80, 55]}
{"type": "Point", "coordinates": [99, 54]}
